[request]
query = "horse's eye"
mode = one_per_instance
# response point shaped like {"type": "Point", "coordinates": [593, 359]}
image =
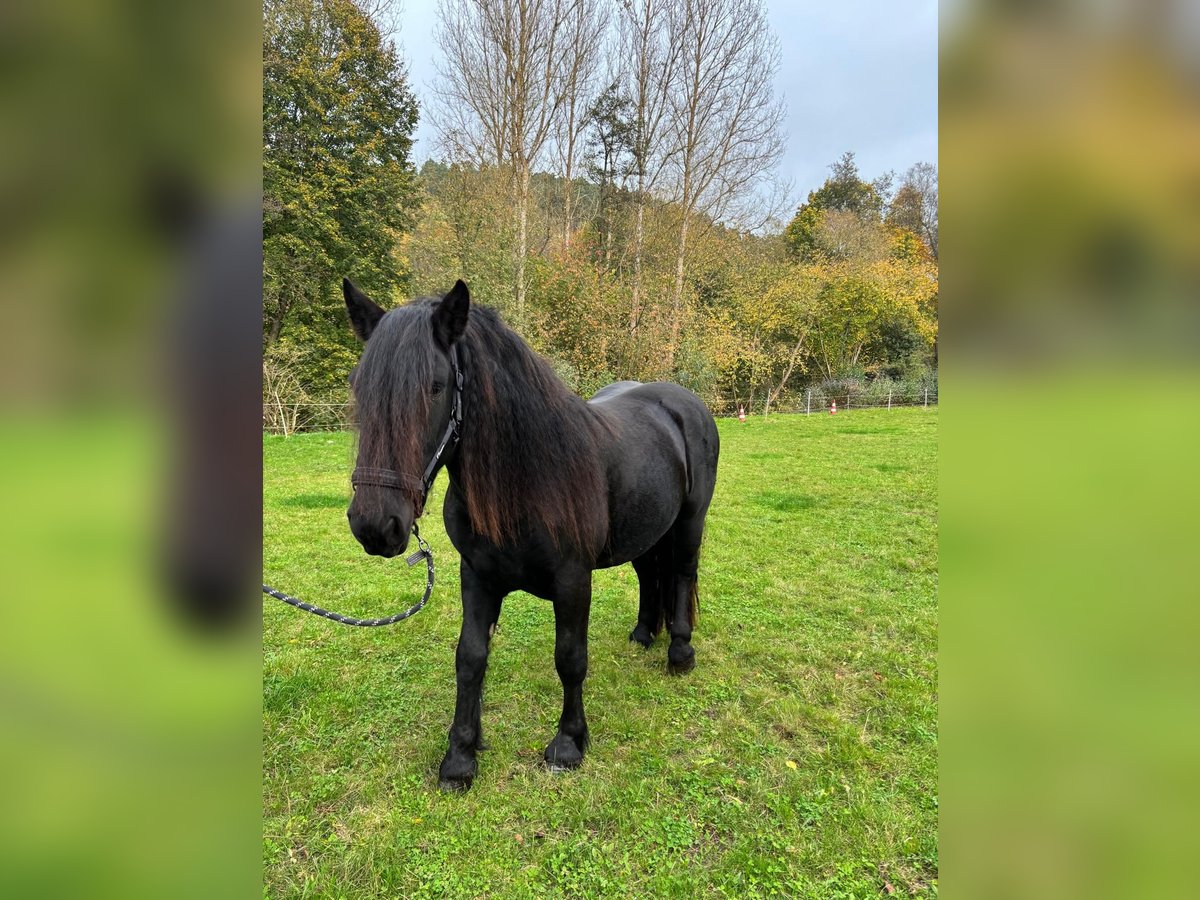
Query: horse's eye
{"type": "Point", "coordinates": [438, 387]}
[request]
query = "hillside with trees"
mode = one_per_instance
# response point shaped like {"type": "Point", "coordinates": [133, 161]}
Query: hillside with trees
{"type": "Point", "coordinates": [606, 178]}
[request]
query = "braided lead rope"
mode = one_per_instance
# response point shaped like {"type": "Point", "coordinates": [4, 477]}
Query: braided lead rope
{"type": "Point", "coordinates": [422, 552]}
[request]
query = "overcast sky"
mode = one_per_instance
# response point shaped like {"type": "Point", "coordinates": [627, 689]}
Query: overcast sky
{"type": "Point", "coordinates": [857, 75]}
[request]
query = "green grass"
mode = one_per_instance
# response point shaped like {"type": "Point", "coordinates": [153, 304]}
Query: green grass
{"type": "Point", "coordinates": [799, 759]}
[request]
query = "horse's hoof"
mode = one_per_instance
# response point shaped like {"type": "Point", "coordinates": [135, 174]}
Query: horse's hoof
{"type": "Point", "coordinates": [681, 663]}
{"type": "Point", "coordinates": [454, 785]}
{"type": "Point", "coordinates": [563, 754]}
{"type": "Point", "coordinates": [456, 774]}
{"type": "Point", "coordinates": [642, 635]}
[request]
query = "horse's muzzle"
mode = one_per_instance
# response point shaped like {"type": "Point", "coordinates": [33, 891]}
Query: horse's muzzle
{"type": "Point", "coordinates": [385, 537]}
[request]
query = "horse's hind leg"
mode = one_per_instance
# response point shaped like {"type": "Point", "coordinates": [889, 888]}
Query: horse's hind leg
{"type": "Point", "coordinates": [653, 580]}
{"type": "Point", "coordinates": [683, 601]}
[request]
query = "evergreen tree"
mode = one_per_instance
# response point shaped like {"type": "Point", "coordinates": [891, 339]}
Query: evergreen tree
{"type": "Point", "coordinates": [338, 187]}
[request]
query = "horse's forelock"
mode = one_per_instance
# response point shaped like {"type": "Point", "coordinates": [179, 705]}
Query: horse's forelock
{"type": "Point", "coordinates": [391, 390]}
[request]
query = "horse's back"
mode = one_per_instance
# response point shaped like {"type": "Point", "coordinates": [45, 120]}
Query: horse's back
{"type": "Point", "coordinates": [613, 390]}
{"type": "Point", "coordinates": [662, 393]}
{"type": "Point", "coordinates": [633, 400]}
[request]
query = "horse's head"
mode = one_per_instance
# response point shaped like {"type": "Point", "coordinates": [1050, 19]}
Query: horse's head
{"type": "Point", "coordinates": [403, 393]}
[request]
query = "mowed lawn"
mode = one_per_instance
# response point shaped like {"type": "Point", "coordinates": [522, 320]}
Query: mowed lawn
{"type": "Point", "coordinates": [798, 759]}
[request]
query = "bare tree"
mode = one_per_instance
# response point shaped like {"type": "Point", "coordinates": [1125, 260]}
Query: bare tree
{"type": "Point", "coordinates": [847, 236]}
{"type": "Point", "coordinates": [502, 86]}
{"type": "Point", "coordinates": [649, 57]}
{"type": "Point", "coordinates": [726, 125]}
{"type": "Point", "coordinates": [283, 391]}
{"type": "Point", "coordinates": [583, 54]}
{"type": "Point", "coordinates": [923, 179]}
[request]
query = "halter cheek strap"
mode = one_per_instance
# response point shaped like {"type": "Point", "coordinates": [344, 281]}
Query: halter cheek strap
{"type": "Point", "coordinates": [402, 481]}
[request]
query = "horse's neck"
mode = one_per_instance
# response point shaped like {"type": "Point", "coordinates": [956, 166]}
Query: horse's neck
{"type": "Point", "coordinates": [579, 414]}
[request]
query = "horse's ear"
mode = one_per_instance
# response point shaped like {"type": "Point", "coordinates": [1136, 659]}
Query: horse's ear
{"type": "Point", "coordinates": [450, 316]}
{"type": "Point", "coordinates": [364, 314]}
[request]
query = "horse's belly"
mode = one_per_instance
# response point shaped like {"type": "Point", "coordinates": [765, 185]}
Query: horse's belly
{"type": "Point", "coordinates": [639, 517]}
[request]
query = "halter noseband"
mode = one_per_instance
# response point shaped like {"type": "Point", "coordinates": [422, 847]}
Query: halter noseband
{"type": "Point", "coordinates": [402, 480]}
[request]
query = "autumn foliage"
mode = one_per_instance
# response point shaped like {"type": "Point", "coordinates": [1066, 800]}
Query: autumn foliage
{"type": "Point", "coordinates": [613, 261]}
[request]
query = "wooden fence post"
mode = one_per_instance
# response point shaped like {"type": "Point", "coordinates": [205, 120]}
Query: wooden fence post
{"type": "Point", "coordinates": [927, 398]}
{"type": "Point", "coordinates": [808, 403]}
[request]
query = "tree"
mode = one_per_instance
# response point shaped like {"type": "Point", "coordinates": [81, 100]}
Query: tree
{"type": "Point", "coordinates": [610, 145]}
{"type": "Point", "coordinates": [582, 59]}
{"type": "Point", "coordinates": [922, 180]}
{"type": "Point", "coordinates": [466, 232]}
{"type": "Point", "coordinates": [843, 191]}
{"type": "Point", "coordinates": [856, 304]}
{"type": "Point", "coordinates": [776, 311]}
{"type": "Point", "coordinates": [906, 210]}
{"type": "Point", "coordinates": [505, 72]}
{"type": "Point", "coordinates": [843, 235]}
{"type": "Point", "coordinates": [338, 191]}
{"type": "Point", "coordinates": [649, 55]}
{"type": "Point", "coordinates": [725, 122]}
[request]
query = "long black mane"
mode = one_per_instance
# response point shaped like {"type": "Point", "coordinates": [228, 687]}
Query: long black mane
{"type": "Point", "coordinates": [530, 448]}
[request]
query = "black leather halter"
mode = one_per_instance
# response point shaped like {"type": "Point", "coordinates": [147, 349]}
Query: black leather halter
{"type": "Point", "coordinates": [402, 481]}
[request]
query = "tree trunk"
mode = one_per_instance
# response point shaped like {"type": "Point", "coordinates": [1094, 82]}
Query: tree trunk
{"type": "Point", "coordinates": [522, 241]}
{"type": "Point", "coordinates": [605, 209]}
{"type": "Point", "coordinates": [567, 213]}
{"type": "Point", "coordinates": [568, 224]}
{"type": "Point", "coordinates": [635, 308]}
{"type": "Point", "coordinates": [608, 245]}
{"type": "Point", "coordinates": [677, 297]}
{"type": "Point", "coordinates": [787, 373]}
{"type": "Point", "coordinates": [276, 328]}
{"type": "Point", "coordinates": [281, 311]}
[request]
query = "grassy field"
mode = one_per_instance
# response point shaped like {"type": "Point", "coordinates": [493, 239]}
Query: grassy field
{"type": "Point", "coordinates": [799, 759]}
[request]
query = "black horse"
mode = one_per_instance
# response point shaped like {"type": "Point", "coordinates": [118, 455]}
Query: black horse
{"type": "Point", "coordinates": [544, 488]}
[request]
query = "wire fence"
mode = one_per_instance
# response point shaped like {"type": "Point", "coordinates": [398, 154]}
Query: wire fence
{"type": "Point", "coordinates": [285, 417]}
{"type": "Point", "coordinates": [816, 401]}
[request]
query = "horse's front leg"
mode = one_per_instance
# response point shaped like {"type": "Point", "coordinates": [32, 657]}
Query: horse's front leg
{"type": "Point", "coordinates": [572, 604]}
{"type": "Point", "coordinates": [481, 609]}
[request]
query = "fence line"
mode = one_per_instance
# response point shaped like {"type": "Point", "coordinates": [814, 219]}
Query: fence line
{"type": "Point", "coordinates": [812, 402]}
{"type": "Point", "coordinates": [290, 417]}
